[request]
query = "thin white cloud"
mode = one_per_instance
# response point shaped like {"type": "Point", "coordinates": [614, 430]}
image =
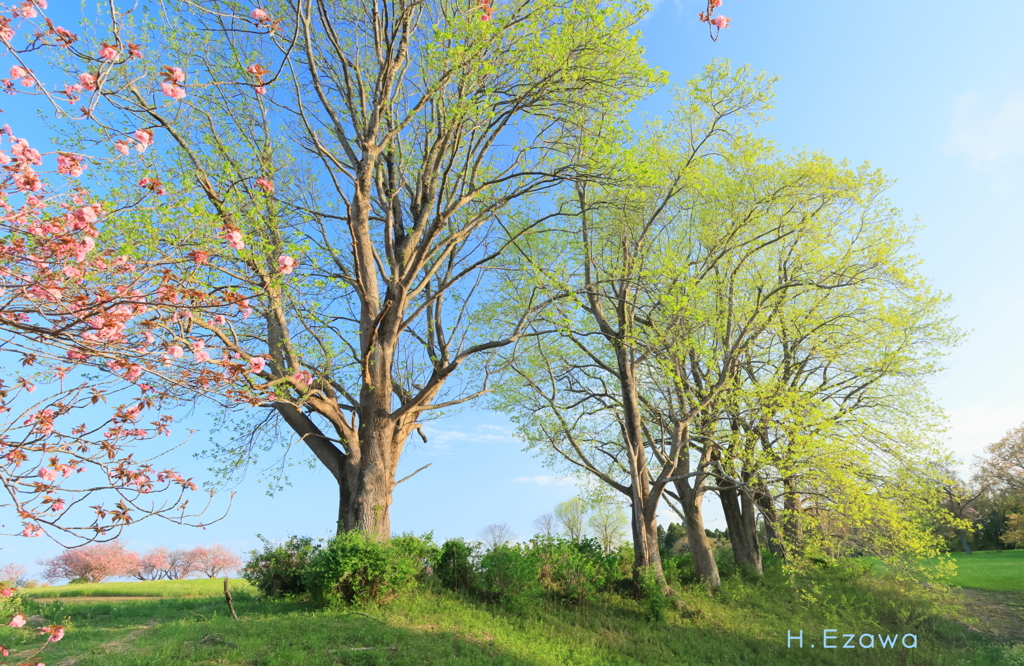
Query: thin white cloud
{"type": "Point", "coordinates": [988, 132]}
{"type": "Point", "coordinates": [545, 480]}
{"type": "Point", "coordinates": [480, 434]}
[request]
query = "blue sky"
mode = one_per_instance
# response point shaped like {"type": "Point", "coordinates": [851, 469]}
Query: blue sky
{"type": "Point", "coordinates": [931, 92]}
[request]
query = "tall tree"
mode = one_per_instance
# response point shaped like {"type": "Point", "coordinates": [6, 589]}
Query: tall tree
{"type": "Point", "coordinates": [571, 518]}
{"type": "Point", "coordinates": [368, 162]}
{"type": "Point", "coordinates": [579, 391]}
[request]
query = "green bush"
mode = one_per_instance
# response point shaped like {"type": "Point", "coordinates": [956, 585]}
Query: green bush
{"type": "Point", "coordinates": [421, 549]}
{"type": "Point", "coordinates": [510, 575]}
{"type": "Point", "coordinates": [652, 598]}
{"type": "Point", "coordinates": [576, 570]}
{"type": "Point", "coordinates": [277, 569]}
{"type": "Point", "coordinates": [353, 568]}
{"type": "Point", "coordinates": [454, 567]}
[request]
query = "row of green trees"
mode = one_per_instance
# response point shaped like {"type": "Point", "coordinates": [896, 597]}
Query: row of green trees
{"type": "Point", "coordinates": [423, 208]}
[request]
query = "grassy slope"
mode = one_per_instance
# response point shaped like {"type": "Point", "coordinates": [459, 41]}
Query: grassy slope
{"type": "Point", "coordinates": [991, 570]}
{"type": "Point", "coordinates": [746, 623]}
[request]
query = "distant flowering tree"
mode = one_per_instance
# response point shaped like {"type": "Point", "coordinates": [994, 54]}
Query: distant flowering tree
{"type": "Point", "coordinates": [11, 573]}
{"type": "Point", "coordinates": [215, 559]}
{"type": "Point", "coordinates": [152, 565]}
{"type": "Point", "coordinates": [92, 562]}
{"type": "Point", "coordinates": [181, 563]}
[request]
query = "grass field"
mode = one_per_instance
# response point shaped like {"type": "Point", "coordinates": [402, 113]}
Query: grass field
{"type": "Point", "coordinates": [991, 570]}
{"type": "Point", "coordinates": [744, 623]}
{"type": "Point", "coordinates": [206, 587]}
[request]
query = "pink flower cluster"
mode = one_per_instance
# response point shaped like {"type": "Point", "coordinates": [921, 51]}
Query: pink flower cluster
{"type": "Point", "coordinates": [258, 71]}
{"type": "Point", "coordinates": [19, 72]}
{"type": "Point", "coordinates": [717, 21]}
{"type": "Point", "coordinates": [173, 76]}
{"type": "Point", "coordinates": [233, 237]}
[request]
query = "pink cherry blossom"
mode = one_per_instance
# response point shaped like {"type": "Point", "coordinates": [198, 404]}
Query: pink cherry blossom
{"type": "Point", "coordinates": [8, 591]}
{"type": "Point", "coordinates": [59, 504]}
{"type": "Point", "coordinates": [256, 364]}
{"type": "Point", "coordinates": [173, 91]}
{"type": "Point", "coordinates": [32, 531]}
{"type": "Point", "coordinates": [234, 238]}
{"type": "Point", "coordinates": [176, 74]}
{"type": "Point", "coordinates": [18, 72]}
{"type": "Point", "coordinates": [261, 90]}
{"type": "Point", "coordinates": [176, 351]}
{"type": "Point", "coordinates": [56, 634]}
{"type": "Point", "coordinates": [268, 186]}
{"type": "Point", "coordinates": [108, 52]}
{"type": "Point", "coordinates": [87, 81]}
{"type": "Point", "coordinates": [203, 356]}
{"type": "Point", "coordinates": [721, 22]}
{"type": "Point", "coordinates": [285, 264]}
{"type": "Point", "coordinates": [220, 320]}
{"type": "Point", "coordinates": [259, 15]}
{"type": "Point", "coordinates": [122, 147]}
{"type": "Point", "coordinates": [144, 137]}
{"type": "Point", "coordinates": [17, 621]}
{"type": "Point", "coordinates": [47, 474]}
{"type": "Point", "coordinates": [715, 4]}
{"type": "Point", "coordinates": [69, 165]}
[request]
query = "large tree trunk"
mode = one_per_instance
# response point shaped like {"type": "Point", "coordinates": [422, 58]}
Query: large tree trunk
{"type": "Point", "coordinates": [741, 520]}
{"type": "Point", "coordinates": [792, 528]}
{"type": "Point", "coordinates": [700, 546]}
{"type": "Point", "coordinates": [691, 500]}
{"type": "Point", "coordinates": [771, 521]}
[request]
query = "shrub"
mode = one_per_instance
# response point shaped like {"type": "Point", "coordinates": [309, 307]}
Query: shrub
{"type": "Point", "coordinates": [510, 575]}
{"type": "Point", "coordinates": [652, 598]}
{"type": "Point", "coordinates": [355, 568]}
{"type": "Point", "coordinates": [576, 570]}
{"type": "Point", "coordinates": [421, 549]}
{"type": "Point", "coordinates": [454, 568]}
{"type": "Point", "coordinates": [277, 569]}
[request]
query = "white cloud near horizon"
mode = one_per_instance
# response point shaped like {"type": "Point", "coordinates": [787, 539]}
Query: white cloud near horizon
{"type": "Point", "coordinates": [974, 428]}
{"type": "Point", "coordinates": [987, 132]}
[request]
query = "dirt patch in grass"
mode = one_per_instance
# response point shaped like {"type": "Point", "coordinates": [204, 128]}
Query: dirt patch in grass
{"type": "Point", "coordinates": [999, 615]}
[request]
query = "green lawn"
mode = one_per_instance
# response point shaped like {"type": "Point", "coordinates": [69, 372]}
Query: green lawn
{"type": "Point", "coordinates": [991, 570]}
{"type": "Point", "coordinates": [745, 623]}
{"type": "Point", "coordinates": [206, 587]}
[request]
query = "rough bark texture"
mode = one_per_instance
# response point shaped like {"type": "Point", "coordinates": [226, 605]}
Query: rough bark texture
{"type": "Point", "coordinates": [741, 520]}
{"type": "Point", "coordinates": [775, 544]}
{"type": "Point", "coordinates": [690, 494]}
{"type": "Point", "coordinates": [697, 539]}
